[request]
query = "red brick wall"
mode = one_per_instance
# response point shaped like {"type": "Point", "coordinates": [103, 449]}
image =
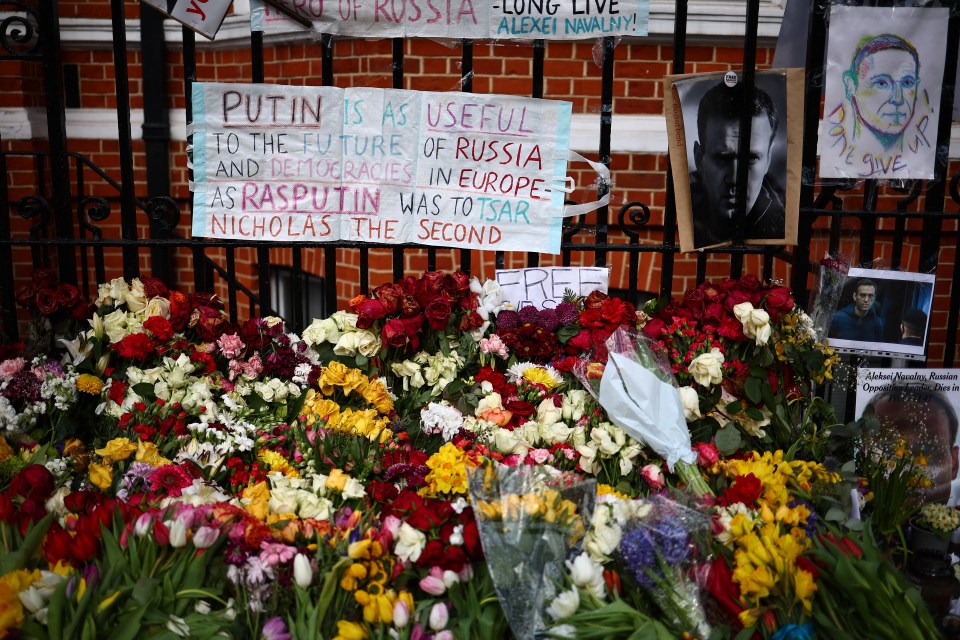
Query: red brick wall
{"type": "Point", "coordinates": [571, 73]}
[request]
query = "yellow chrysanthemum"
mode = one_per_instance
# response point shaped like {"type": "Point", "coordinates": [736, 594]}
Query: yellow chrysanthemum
{"type": "Point", "coordinates": [542, 376]}
{"type": "Point", "coordinates": [89, 383]}
{"type": "Point", "coordinates": [278, 464]}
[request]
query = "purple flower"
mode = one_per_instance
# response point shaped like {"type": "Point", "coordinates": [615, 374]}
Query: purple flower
{"type": "Point", "coordinates": [527, 314]}
{"type": "Point", "coordinates": [507, 319]}
{"type": "Point", "coordinates": [548, 319]}
{"type": "Point", "coordinates": [567, 313]}
{"type": "Point", "coordinates": [275, 629]}
{"type": "Point", "coordinates": [639, 552]}
{"type": "Point", "coordinates": [673, 540]}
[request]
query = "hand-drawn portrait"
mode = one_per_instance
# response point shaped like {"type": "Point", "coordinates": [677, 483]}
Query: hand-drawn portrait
{"type": "Point", "coordinates": [883, 83]}
{"type": "Point", "coordinates": [704, 155]}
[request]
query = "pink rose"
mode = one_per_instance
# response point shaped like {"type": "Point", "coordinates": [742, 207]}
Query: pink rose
{"type": "Point", "coordinates": [653, 476]}
{"type": "Point", "coordinates": [707, 454]}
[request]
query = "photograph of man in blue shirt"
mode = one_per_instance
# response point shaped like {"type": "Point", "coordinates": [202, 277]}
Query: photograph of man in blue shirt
{"type": "Point", "coordinates": [859, 320]}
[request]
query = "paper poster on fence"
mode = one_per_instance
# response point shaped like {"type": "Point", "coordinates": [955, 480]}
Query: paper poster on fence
{"type": "Point", "coordinates": [319, 164]}
{"type": "Point", "coordinates": [544, 287]}
{"type": "Point", "coordinates": [883, 81]}
{"type": "Point", "coordinates": [478, 19]}
{"type": "Point", "coordinates": [919, 406]}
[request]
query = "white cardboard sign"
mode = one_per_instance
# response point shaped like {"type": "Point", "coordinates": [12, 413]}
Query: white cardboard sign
{"type": "Point", "coordinates": [543, 287]}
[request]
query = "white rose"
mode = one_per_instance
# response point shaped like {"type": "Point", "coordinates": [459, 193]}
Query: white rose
{"type": "Point", "coordinates": [313, 506]}
{"type": "Point", "coordinates": [345, 320]}
{"type": "Point", "coordinates": [547, 413]}
{"type": "Point", "coordinates": [490, 401]}
{"type": "Point", "coordinates": [530, 431]}
{"type": "Point", "coordinates": [368, 343]}
{"type": "Point", "coordinates": [565, 604]}
{"type": "Point", "coordinates": [588, 457]}
{"type": "Point", "coordinates": [325, 330]}
{"type": "Point", "coordinates": [283, 500]}
{"type": "Point", "coordinates": [353, 489]}
{"type": "Point", "coordinates": [508, 443]}
{"type": "Point", "coordinates": [115, 325]}
{"type": "Point", "coordinates": [157, 307]}
{"type": "Point", "coordinates": [410, 543]}
{"type": "Point", "coordinates": [573, 404]}
{"type": "Point", "coordinates": [603, 541]}
{"type": "Point", "coordinates": [756, 322]}
{"type": "Point", "coordinates": [135, 297]}
{"type": "Point", "coordinates": [690, 400]}
{"type": "Point", "coordinates": [706, 368]}
{"type": "Point", "coordinates": [118, 290]}
{"type": "Point", "coordinates": [555, 433]}
{"type": "Point", "coordinates": [346, 345]}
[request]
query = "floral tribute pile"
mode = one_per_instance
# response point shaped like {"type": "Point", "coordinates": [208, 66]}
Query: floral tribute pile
{"type": "Point", "coordinates": [165, 471]}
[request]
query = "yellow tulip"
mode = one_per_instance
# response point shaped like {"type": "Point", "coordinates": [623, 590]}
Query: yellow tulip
{"type": "Point", "coordinates": [347, 630]}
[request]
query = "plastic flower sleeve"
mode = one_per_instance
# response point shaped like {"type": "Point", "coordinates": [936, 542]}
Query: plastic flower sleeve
{"type": "Point", "coordinates": [531, 520]}
{"type": "Point", "coordinates": [825, 296]}
{"type": "Point", "coordinates": [662, 553]}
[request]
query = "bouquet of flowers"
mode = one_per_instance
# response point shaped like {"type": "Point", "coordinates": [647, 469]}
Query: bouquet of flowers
{"type": "Point", "coordinates": [531, 521]}
{"type": "Point", "coordinates": [661, 554]}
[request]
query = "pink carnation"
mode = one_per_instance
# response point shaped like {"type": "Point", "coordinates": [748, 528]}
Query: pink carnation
{"type": "Point", "coordinates": [9, 368]}
{"type": "Point", "coordinates": [231, 345]}
{"type": "Point", "coordinates": [494, 345]}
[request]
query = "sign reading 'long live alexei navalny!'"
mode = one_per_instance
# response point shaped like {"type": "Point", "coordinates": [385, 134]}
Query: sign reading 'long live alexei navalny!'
{"type": "Point", "coordinates": [479, 19]}
{"type": "Point", "coordinates": [318, 164]}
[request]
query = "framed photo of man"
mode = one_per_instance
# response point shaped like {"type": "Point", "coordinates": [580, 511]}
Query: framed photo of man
{"type": "Point", "coordinates": [883, 312]}
{"type": "Point", "coordinates": [920, 406]}
{"type": "Point", "coordinates": [703, 124]}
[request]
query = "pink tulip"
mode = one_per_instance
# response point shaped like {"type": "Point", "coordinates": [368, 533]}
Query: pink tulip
{"type": "Point", "coordinates": [653, 476]}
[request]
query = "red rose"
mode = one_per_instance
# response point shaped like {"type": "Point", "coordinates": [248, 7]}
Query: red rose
{"type": "Point", "coordinates": [707, 454]}
{"type": "Point", "coordinates": [471, 538]}
{"type": "Point", "coordinates": [779, 301]}
{"type": "Point", "coordinates": [731, 329]}
{"type": "Point", "coordinates": [694, 298]}
{"type": "Point", "coordinates": [47, 302]}
{"type": "Point", "coordinates": [409, 306]}
{"type": "Point", "coordinates": [437, 312]}
{"type": "Point", "coordinates": [711, 293]}
{"type": "Point", "coordinates": [591, 318]}
{"type": "Point", "coordinates": [654, 328]}
{"type": "Point", "coordinates": [179, 310]}
{"type": "Point", "coordinates": [736, 297]}
{"type": "Point", "coordinates": [594, 300]}
{"type": "Point", "coordinates": [429, 287]}
{"type": "Point", "coordinates": [749, 282]}
{"type": "Point", "coordinates": [82, 311]}
{"type": "Point", "coordinates": [154, 287]}
{"type": "Point", "coordinates": [456, 284]}
{"type": "Point", "coordinates": [470, 321]}
{"type": "Point", "coordinates": [389, 296]}
{"type": "Point", "coordinates": [394, 333]}
{"type": "Point", "coordinates": [369, 311]}
{"type": "Point", "coordinates": [432, 554]}
{"type": "Point", "coordinates": [745, 489]}
{"type": "Point", "coordinates": [205, 359]}
{"type": "Point", "coordinates": [714, 313]}
{"type": "Point", "coordinates": [67, 295]}
{"type": "Point", "coordinates": [26, 296]}
{"type": "Point", "coordinates": [160, 327]}
{"type": "Point", "coordinates": [518, 407]}
{"type": "Point", "coordinates": [381, 492]}
{"type": "Point", "coordinates": [33, 481]}
{"type": "Point", "coordinates": [45, 278]}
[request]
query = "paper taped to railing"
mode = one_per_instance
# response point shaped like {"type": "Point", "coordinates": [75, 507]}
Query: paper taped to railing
{"type": "Point", "coordinates": [477, 19]}
{"type": "Point", "coordinates": [545, 287]}
{"type": "Point", "coordinates": [319, 164]}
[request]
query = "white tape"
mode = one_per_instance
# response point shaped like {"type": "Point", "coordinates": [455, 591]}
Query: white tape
{"type": "Point", "coordinates": [603, 177]}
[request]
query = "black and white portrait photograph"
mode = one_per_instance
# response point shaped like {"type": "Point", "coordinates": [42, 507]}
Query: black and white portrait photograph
{"type": "Point", "coordinates": [885, 311]}
{"type": "Point", "coordinates": [705, 135]}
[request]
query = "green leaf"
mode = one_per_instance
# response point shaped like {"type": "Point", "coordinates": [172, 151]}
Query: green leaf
{"type": "Point", "coordinates": [18, 559]}
{"type": "Point", "coordinates": [728, 439]}
{"type": "Point", "coordinates": [753, 388]}
{"type": "Point", "coordinates": [129, 627]}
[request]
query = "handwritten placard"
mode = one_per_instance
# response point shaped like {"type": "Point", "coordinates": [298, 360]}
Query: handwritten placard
{"type": "Point", "coordinates": [203, 16]}
{"type": "Point", "coordinates": [390, 166]}
{"type": "Point", "coordinates": [544, 287]}
{"type": "Point", "coordinates": [493, 19]}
